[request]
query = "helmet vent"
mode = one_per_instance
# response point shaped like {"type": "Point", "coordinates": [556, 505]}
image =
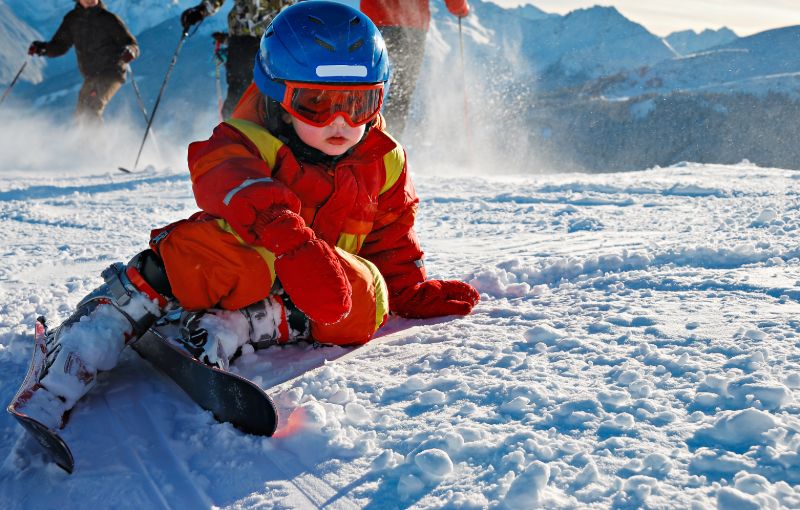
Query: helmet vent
{"type": "Point", "coordinates": [355, 21]}
{"type": "Point", "coordinates": [356, 45]}
{"type": "Point", "coordinates": [316, 20]}
{"type": "Point", "coordinates": [324, 44]}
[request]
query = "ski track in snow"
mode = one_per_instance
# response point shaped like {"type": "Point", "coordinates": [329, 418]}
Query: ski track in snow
{"type": "Point", "coordinates": [637, 346]}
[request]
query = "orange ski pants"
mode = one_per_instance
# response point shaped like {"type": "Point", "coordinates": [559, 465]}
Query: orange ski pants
{"type": "Point", "coordinates": [209, 266]}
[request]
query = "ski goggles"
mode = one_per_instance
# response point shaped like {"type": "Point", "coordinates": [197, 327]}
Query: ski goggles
{"type": "Point", "coordinates": [318, 104]}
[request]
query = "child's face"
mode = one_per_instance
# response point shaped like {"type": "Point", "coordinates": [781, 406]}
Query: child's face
{"type": "Point", "coordinates": [333, 139]}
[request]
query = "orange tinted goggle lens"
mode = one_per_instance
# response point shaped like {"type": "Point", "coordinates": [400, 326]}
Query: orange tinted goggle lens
{"type": "Point", "coordinates": [319, 106]}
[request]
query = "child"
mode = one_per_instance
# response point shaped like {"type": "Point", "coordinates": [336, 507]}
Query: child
{"type": "Point", "coordinates": [306, 229]}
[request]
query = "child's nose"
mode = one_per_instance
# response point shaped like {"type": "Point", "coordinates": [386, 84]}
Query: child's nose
{"type": "Point", "coordinates": [339, 121]}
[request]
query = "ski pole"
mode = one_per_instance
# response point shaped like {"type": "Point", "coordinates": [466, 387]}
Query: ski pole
{"type": "Point", "coordinates": [14, 81]}
{"type": "Point", "coordinates": [218, 82]}
{"type": "Point", "coordinates": [142, 107]}
{"type": "Point", "coordinates": [220, 55]}
{"type": "Point", "coordinates": [184, 35]}
{"type": "Point", "coordinates": [138, 93]}
{"type": "Point", "coordinates": [464, 84]}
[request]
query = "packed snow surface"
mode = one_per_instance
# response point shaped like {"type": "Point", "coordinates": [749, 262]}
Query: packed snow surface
{"type": "Point", "coordinates": [636, 346]}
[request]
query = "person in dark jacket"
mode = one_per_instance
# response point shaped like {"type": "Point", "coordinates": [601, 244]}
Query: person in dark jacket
{"type": "Point", "coordinates": [104, 47]}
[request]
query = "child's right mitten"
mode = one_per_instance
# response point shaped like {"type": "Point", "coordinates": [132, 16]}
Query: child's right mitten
{"type": "Point", "coordinates": [308, 268]}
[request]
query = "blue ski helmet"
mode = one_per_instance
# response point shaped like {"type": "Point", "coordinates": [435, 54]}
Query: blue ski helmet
{"type": "Point", "coordinates": [318, 41]}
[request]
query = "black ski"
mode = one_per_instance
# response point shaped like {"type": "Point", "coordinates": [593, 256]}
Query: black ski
{"type": "Point", "coordinates": [231, 398]}
{"type": "Point", "coordinates": [50, 441]}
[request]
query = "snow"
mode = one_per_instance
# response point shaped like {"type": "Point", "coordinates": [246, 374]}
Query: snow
{"type": "Point", "coordinates": [636, 345]}
{"type": "Point", "coordinates": [649, 361]}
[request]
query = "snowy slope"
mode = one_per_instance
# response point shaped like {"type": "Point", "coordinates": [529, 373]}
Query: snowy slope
{"type": "Point", "coordinates": [636, 346]}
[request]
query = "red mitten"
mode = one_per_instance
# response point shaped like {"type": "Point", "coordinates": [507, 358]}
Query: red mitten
{"type": "Point", "coordinates": [435, 298]}
{"type": "Point", "coordinates": [459, 9]}
{"type": "Point", "coordinates": [256, 205]}
{"type": "Point", "coordinates": [313, 277]}
{"type": "Point", "coordinates": [265, 214]}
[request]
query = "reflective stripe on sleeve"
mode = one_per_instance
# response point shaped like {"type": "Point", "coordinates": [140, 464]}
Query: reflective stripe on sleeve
{"type": "Point", "coordinates": [246, 183]}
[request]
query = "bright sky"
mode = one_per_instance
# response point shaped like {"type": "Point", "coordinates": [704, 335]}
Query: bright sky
{"type": "Point", "coordinates": [745, 17]}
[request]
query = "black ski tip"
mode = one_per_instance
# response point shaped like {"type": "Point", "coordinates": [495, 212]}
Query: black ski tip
{"type": "Point", "coordinates": [49, 440]}
{"type": "Point", "coordinates": [125, 170]}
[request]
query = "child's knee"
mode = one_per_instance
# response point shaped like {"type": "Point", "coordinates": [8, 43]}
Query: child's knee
{"type": "Point", "coordinates": [370, 305]}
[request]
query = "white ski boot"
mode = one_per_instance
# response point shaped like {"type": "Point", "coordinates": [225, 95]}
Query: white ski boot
{"type": "Point", "coordinates": [115, 314]}
{"type": "Point", "coordinates": [216, 336]}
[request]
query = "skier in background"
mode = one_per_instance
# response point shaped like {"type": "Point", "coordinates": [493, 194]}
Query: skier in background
{"type": "Point", "coordinates": [104, 47]}
{"type": "Point", "coordinates": [404, 25]}
{"type": "Point", "coordinates": [306, 229]}
{"type": "Point", "coordinates": [246, 22]}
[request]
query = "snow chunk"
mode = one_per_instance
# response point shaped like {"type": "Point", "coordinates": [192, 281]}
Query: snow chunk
{"type": "Point", "coordinates": [527, 489]}
{"type": "Point", "coordinates": [515, 406]}
{"type": "Point", "coordinates": [622, 423]}
{"type": "Point", "coordinates": [793, 380]}
{"type": "Point", "coordinates": [434, 463]}
{"type": "Point", "coordinates": [637, 489]}
{"type": "Point", "coordinates": [310, 416]}
{"type": "Point", "coordinates": [693, 190]}
{"type": "Point", "coordinates": [387, 459]}
{"type": "Point", "coordinates": [738, 429]}
{"type": "Point", "coordinates": [500, 283]}
{"type": "Point", "coordinates": [545, 334]}
{"type": "Point", "coordinates": [408, 486]}
{"type": "Point", "coordinates": [356, 413]}
{"type": "Point", "coordinates": [656, 465]}
{"type": "Point", "coordinates": [581, 224]}
{"type": "Point", "coordinates": [766, 217]}
{"type": "Point", "coordinates": [732, 499]}
{"type": "Point", "coordinates": [750, 392]}
{"type": "Point", "coordinates": [432, 397]}
{"type": "Point", "coordinates": [589, 474]}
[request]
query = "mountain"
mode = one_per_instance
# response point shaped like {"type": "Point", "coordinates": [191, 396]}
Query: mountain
{"type": "Point", "coordinates": [689, 41]}
{"type": "Point", "coordinates": [551, 49]}
{"type": "Point", "coordinates": [43, 15]}
{"type": "Point", "coordinates": [759, 63]}
{"type": "Point", "coordinates": [593, 42]}
{"type": "Point", "coordinates": [15, 37]}
{"type": "Point", "coordinates": [529, 11]}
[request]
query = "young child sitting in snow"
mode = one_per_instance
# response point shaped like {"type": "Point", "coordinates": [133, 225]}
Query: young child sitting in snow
{"type": "Point", "coordinates": [306, 229]}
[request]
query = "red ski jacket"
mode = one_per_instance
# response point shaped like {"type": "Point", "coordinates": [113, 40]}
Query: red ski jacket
{"type": "Point", "coordinates": [365, 203]}
{"type": "Point", "coordinates": [407, 13]}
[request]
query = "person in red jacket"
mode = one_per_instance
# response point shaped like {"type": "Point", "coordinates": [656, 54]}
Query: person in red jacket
{"type": "Point", "coordinates": [306, 229]}
{"type": "Point", "coordinates": [404, 26]}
